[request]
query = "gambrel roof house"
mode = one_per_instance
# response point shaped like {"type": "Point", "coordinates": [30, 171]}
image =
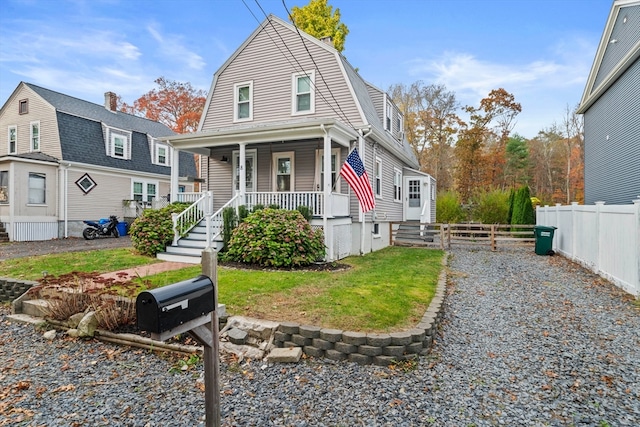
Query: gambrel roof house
{"type": "Point", "coordinates": [64, 160]}
{"type": "Point", "coordinates": [282, 110]}
{"type": "Point", "coordinates": [611, 108]}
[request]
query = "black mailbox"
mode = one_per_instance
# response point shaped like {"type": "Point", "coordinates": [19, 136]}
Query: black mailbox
{"type": "Point", "coordinates": [163, 309]}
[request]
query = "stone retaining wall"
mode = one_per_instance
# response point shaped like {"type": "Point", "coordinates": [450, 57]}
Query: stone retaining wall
{"type": "Point", "coordinates": [367, 348]}
{"type": "Point", "coordinates": [10, 289]}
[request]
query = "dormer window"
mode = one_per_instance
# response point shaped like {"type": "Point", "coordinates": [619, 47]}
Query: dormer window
{"type": "Point", "coordinates": [118, 143]}
{"type": "Point", "coordinates": [161, 152]}
{"type": "Point", "coordinates": [161, 155]}
{"type": "Point", "coordinates": [303, 93]}
{"type": "Point", "coordinates": [387, 116]}
{"type": "Point", "coordinates": [243, 101]}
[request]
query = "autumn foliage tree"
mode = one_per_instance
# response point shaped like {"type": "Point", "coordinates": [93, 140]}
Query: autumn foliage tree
{"type": "Point", "coordinates": [175, 104]}
{"type": "Point", "coordinates": [320, 20]}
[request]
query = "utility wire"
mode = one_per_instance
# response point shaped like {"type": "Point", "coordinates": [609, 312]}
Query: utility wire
{"type": "Point", "coordinates": [314, 62]}
{"type": "Point", "coordinates": [299, 67]}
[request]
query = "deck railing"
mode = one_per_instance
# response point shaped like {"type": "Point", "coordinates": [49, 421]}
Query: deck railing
{"type": "Point", "coordinates": [313, 200]}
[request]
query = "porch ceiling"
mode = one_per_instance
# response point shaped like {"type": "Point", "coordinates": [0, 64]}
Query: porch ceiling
{"type": "Point", "coordinates": [200, 142]}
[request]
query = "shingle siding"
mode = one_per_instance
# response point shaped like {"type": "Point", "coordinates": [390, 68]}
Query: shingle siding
{"type": "Point", "coordinates": [612, 142]}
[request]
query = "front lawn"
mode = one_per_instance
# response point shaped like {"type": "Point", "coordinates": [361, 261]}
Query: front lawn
{"type": "Point", "coordinates": [384, 291]}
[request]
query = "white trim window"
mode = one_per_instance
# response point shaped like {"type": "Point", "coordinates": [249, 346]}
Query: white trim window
{"type": "Point", "coordinates": [378, 178]}
{"type": "Point", "coordinates": [118, 143]}
{"type": "Point", "coordinates": [283, 171]}
{"type": "Point", "coordinates": [34, 135]}
{"type": "Point", "coordinates": [37, 188]}
{"type": "Point", "coordinates": [12, 139]}
{"type": "Point", "coordinates": [397, 185]}
{"type": "Point", "coordinates": [388, 112]}
{"type": "Point", "coordinates": [303, 93]}
{"type": "Point", "coordinates": [144, 191]}
{"type": "Point", "coordinates": [4, 186]}
{"type": "Point", "coordinates": [243, 101]}
{"type": "Point", "coordinates": [23, 106]}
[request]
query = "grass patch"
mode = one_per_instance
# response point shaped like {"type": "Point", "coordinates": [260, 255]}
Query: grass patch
{"type": "Point", "coordinates": [384, 291]}
{"type": "Point", "coordinates": [101, 261]}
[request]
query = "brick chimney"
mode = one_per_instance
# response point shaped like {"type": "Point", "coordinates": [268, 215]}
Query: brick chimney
{"type": "Point", "coordinates": [110, 101]}
{"type": "Point", "coordinates": [328, 40]}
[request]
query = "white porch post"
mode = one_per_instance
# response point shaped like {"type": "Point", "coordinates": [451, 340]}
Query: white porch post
{"type": "Point", "coordinates": [175, 174]}
{"type": "Point", "coordinates": [328, 234]}
{"type": "Point", "coordinates": [242, 163]}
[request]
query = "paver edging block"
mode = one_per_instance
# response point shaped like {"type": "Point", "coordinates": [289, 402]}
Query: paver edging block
{"type": "Point", "coordinates": [368, 348]}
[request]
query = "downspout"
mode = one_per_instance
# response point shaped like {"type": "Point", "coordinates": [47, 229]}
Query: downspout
{"type": "Point", "coordinates": [361, 145]}
{"type": "Point", "coordinates": [63, 197]}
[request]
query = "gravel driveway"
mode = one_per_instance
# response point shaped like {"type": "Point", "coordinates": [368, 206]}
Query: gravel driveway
{"type": "Point", "coordinates": [526, 341]}
{"type": "Point", "coordinates": [72, 244]}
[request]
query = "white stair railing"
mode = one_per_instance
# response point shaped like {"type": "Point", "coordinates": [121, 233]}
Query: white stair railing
{"type": "Point", "coordinates": [190, 217]}
{"type": "Point", "coordinates": [215, 222]}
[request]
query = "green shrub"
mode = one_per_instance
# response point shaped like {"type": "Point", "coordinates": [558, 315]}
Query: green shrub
{"type": "Point", "coordinates": [229, 223]}
{"type": "Point", "coordinates": [512, 196]}
{"type": "Point", "coordinates": [491, 207]}
{"type": "Point", "coordinates": [243, 212]}
{"type": "Point", "coordinates": [306, 212]}
{"type": "Point", "coordinates": [257, 207]}
{"type": "Point", "coordinates": [275, 238]}
{"type": "Point", "coordinates": [153, 230]}
{"type": "Point", "coordinates": [448, 208]}
{"type": "Point", "coordinates": [274, 206]}
{"type": "Point", "coordinates": [522, 208]}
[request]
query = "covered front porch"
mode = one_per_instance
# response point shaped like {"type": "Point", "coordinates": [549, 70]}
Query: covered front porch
{"type": "Point", "coordinates": [279, 164]}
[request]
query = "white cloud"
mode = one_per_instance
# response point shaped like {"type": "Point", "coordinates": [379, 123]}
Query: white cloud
{"type": "Point", "coordinates": [172, 47]}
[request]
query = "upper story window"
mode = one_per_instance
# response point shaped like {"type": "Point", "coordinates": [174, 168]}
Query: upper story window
{"type": "Point", "coordinates": [400, 125]}
{"type": "Point", "coordinates": [387, 116]}
{"type": "Point", "coordinates": [304, 93]}
{"type": "Point", "coordinates": [378, 177]}
{"type": "Point", "coordinates": [160, 153]}
{"type": "Point", "coordinates": [23, 106]}
{"type": "Point", "coordinates": [12, 138]}
{"type": "Point", "coordinates": [37, 188]}
{"type": "Point", "coordinates": [397, 185]}
{"type": "Point", "coordinates": [243, 101]}
{"type": "Point", "coordinates": [35, 136]}
{"type": "Point", "coordinates": [118, 143]}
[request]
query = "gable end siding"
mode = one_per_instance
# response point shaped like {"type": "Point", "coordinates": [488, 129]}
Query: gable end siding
{"type": "Point", "coordinates": [612, 166]}
{"type": "Point", "coordinates": [266, 65]}
{"type": "Point", "coordinates": [626, 36]}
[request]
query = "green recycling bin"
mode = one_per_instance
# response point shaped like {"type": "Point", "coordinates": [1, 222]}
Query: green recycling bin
{"type": "Point", "coordinates": [544, 239]}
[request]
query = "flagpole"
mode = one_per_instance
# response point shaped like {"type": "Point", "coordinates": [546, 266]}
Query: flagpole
{"type": "Point", "coordinates": [362, 217]}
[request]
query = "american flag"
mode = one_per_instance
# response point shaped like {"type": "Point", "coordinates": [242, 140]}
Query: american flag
{"type": "Point", "coordinates": [354, 173]}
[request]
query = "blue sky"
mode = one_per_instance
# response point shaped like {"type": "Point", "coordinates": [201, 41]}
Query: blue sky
{"type": "Point", "coordinates": [539, 50]}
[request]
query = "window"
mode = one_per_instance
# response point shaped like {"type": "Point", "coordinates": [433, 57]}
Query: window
{"type": "Point", "coordinates": [4, 186]}
{"type": "Point", "coordinates": [243, 101]}
{"type": "Point", "coordinates": [161, 155]}
{"type": "Point", "coordinates": [387, 116]}
{"type": "Point", "coordinates": [37, 188]}
{"type": "Point", "coordinates": [376, 229]}
{"type": "Point", "coordinates": [13, 139]}
{"type": "Point", "coordinates": [144, 191]}
{"type": "Point", "coordinates": [35, 136]}
{"type": "Point", "coordinates": [23, 106]}
{"type": "Point", "coordinates": [378, 177]}
{"type": "Point", "coordinates": [283, 171]}
{"type": "Point", "coordinates": [86, 183]}
{"type": "Point", "coordinates": [335, 161]}
{"type": "Point", "coordinates": [119, 143]}
{"type": "Point", "coordinates": [400, 124]}
{"type": "Point", "coordinates": [397, 185]}
{"type": "Point", "coordinates": [304, 93]}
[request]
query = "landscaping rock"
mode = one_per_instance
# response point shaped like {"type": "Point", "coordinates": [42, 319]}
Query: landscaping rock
{"type": "Point", "coordinates": [237, 336]}
{"type": "Point", "coordinates": [88, 324]}
{"type": "Point", "coordinates": [50, 335]}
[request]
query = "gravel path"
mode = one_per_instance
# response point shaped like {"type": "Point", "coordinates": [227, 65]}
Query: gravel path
{"type": "Point", "coordinates": [526, 341]}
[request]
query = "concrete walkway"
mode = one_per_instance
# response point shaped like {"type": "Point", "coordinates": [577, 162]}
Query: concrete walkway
{"type": "Point", "coordinates": [145, 270]}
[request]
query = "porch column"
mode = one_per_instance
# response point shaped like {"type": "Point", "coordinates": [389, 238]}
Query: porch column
{"type": "Point", "coordinates": [175, 174]}
{"type": "Point", "coordinates": [242, 163]}
{"type": "Point", "coordinates": [328, 236]}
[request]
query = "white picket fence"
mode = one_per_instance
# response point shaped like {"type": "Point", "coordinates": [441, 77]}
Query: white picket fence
{"type": "Point", "coordinates": [603, 238]}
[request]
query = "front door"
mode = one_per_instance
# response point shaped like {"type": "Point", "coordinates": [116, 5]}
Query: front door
{"type": "Point", "coordinates": [250, 170]}
{"type": "Point", "coordinates": [414, 198]}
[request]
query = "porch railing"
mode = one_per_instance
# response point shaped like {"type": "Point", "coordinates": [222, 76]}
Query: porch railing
{"type": "Point", "coordinates": [215, 223]}
{"type": "Point", "coordinates": [314, 200]}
